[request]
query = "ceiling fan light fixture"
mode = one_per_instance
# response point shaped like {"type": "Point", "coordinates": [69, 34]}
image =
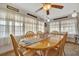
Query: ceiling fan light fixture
{"type": "Point", "coordinates": [46, 6]}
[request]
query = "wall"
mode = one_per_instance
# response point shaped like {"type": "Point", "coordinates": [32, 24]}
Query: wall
{"type": "Point", "coordinates": [46, 28]}
{"type": "Point", "coordinates": [78, 24]}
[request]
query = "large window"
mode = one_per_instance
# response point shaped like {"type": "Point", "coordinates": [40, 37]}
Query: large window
{"type": "Point", "coordinates": [40, 26]}
{"type": "Point", "coordinates": [54, 26]}
{"type": "Point", "coordinates": [17, 24]}
{"type": "Point", "coordinates": [18, 28]}
{"type": "Point", "coordinates": [30, 24]}
{"type": "Point", "coordinates": [2, 28]}
{"type": "Point", "coordinates": [11, 26]}
{"type": "Point", "coordinates": [67, 25]}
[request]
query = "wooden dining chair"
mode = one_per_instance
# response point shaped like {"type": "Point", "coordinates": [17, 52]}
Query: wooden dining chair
{"type": "Point", "coordinates": [58, 50]}
{"type": "Point", "coordinates": [52, 51]}
{"type": "Point", "coordinates": [30, 34]}
{"type": "Point", "coordinates": [15, 46]}
{"type": "Point", "coordinates": [64, 41]}
{"type": "Point", "coordinates": [39, 32]}
{"type": "Point", "coordinates": [55, 32]}
{"type": "Point", "coordinates": [18, 49]}
{"type": "Point", "coordinates": [62, 44]}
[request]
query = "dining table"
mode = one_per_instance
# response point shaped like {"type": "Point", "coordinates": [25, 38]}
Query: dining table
{"type": "Point", "coordinates": [41, 43]}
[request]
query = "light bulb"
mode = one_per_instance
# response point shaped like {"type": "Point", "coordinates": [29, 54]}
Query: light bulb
{"type": "Point", "coordinates": [48, 20]}
{"type": "Point", "coordinates": [74, 14]}
{"type": "Point", "coordinates": [47, 7]}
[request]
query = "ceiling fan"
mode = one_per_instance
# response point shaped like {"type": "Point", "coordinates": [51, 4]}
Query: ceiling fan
{"type": "Point", "coordinates": [47, 6]}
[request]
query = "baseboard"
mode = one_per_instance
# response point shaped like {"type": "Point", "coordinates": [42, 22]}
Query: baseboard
{"type": "Point", "coordinates": [72, 42]}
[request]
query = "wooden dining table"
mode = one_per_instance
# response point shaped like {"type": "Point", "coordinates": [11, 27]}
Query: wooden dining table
{"type": "Point", "coordinates": [41, 44]}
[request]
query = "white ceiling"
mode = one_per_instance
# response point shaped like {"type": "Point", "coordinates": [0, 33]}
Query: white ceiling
{"type": "Point", "coordinates": [54, 13]}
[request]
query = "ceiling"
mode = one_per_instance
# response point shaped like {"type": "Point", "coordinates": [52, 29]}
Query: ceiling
{"type": "Point", "coordinates": [54, 13]}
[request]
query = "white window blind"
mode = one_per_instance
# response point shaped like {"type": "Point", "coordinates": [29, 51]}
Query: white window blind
{"type": "Point", "coordinates": [40, 26]}
{"type": "Point", "coordinates": [30, 24]}
{"type": "Point", "coordinates": [16, 24]}
{"type": "Point", "coordinates": [18, 28]}
{"type": "Point", "coordinates": [54, 26]}
{"type": "Point", "coordinates": [68, 25]}
{"type": "Point", "coordinates": [2, 28]}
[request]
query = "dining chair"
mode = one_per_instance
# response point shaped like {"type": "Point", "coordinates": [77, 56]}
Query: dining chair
{"type": "Point", "coordinates": [30, 34]}
{"type": "Point", "coordinates": [16, 46]}
{"type": "Point", "coordinates": [64, 41]}
{"type": "Point", "coordinates": [55, 32]}
{"type": "Point", "coordinates": [39, 33]}
{"type": "Point", "coordinates": [62, 44]}
{"type": "Point", "coordinates": [18, 49]}
{"type": "Point", "coordinates": [52, 51]}
{"type": "Point", "coordinates": [58, 50]}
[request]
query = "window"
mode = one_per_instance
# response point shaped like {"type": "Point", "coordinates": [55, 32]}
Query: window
{"type": "Point", "coordinates": [34, 25]}
{"type": "Point", "coordinates": [18, 24]}
{"type": "Point", "coordinates": [54, 26]}
{"type": "Point", "coordinates": [10, 27]}
{"type": "Point", "coordinates": [2, 28]}
{"type": "Point", "coordinates": [30, 24]}
{"type": "Point", "coordinates": [69, 26]}
{"type": "Point", "coordinates": [18, 28]}
{"type": "Point", "coordinates": [40, 26]}
{"type": "Point", "coordinates": [26, 27]}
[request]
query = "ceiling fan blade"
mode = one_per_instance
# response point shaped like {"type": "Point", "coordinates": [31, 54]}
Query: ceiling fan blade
{"type": "Point", "coordinates": [57, 6]}
{"type": "Point", "coordinates": [39, 9]}
{"type": "Point", "coordinates": [47, 12]}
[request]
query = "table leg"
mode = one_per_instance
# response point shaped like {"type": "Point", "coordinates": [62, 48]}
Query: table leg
{"type": "Point", "coordinates": [75, 40]}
